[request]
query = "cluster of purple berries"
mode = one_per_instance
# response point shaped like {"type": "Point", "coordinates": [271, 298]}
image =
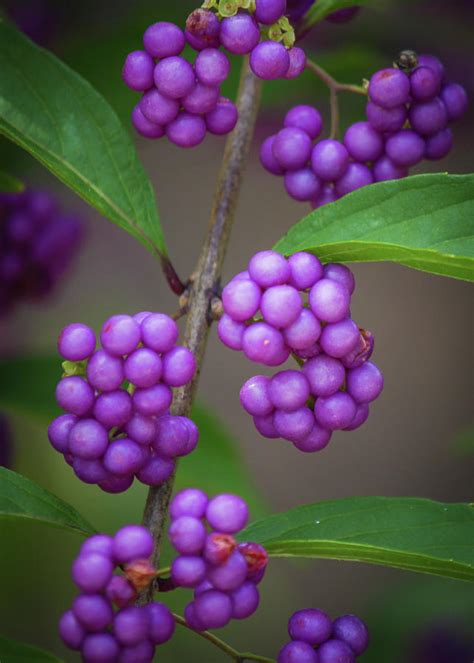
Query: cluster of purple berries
{"type": "Point", "coordinates": [182, 100]}
{"type": "Point", "coordinates": [407, 120]}
{"type": "Point", "coordinates": [37, 244]}
{"type": "Point", "coordinates": [335, 382]}
{"type": "Point", "coordinates": [222, 573]}
{"type": "Point", "coordinates": [117, 401]}
{"type": "Point", "coordinates": [315, 638]}
{"type": "Point", "coordinates": [131, 633]}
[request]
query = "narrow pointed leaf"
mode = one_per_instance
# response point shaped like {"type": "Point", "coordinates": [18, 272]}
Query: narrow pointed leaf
{"type": "Point", "coordinates": [57, 116]}
{"type": "Point", "coordinates": [12, 651]}
{"type": "Point", "coordinates": [406, 533]}
{"type": "Point", "coordinates": [22, 499]}
{"type": "Point", "coordinates": [425, 222]}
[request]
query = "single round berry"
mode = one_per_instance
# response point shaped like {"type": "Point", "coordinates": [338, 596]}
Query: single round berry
{"type": "Point", "coordinates": [188, 570]}
{"type": "Point", "coordinates": [339, 338]}
{"type": "Point", "coordinates": [156, 470]}
{"type": "Point", "coordinates": [384, 169]}
{"type": "Point", "coordinates": [303, 332]}
{"type": "Point", "coordinates": [217, 550]}
{"type": "Point", "coordinates": [202, 99]}
{"type": "Point", "coordinates": [297, 62]}
{"type": "Point", "coordinates": [311, 625]}
{"type": "Point", "coordinates": [163, 39]}
{"type": "Point", "coordinates": [159, 332]}
{"type": "Point", "coordinates": [288, 390]}
{"type": "Point", "coordinates": [157, 108]}
{"type": "Point", "coordinates": [361, 352]}
{"type": "Point", "coordinates": [269, 60]}
{"type": "Point", "coordinates": [269, 268]}
{"type": "Point", "coordinates": [174, 77]}
{"type": "Point", "coordinates": [340, 273]}
{"type": "Point", "coordinates": [455, 100]}
{"type": "Point", "coordinates": [405, 148]}
{"type": "Point", "coordinates": [363, 142]}
{"type": "Point", "coordinates": [120, 335]}
{"type": "Point", "coordinates": [172, 436]}
{"type": "Point", "coordinates": [297, 652]}
{"type": "Point", "coordinates": [263, 344]}
{"type": "Point", "coordinates": [212, 67]}
{"type": "Point", "coordinates": [187, 130]}
{"type": "Point", "coordinates": [329, 159]}
{"type": "Point", "coordinates": [137, 71]}
{"type": "Point", "coordinates": [292, 148]}
{"type": "Point", "coordinates": [113, 408]}
{"type": "Point", "coordinates": [202, 29]}
{"type": "Point", "coordinates": [302, 185]}
{"type": "Point", "coordinates": [352, 630]}
{"type": "Point", "coordinates": [241, 299]}
{"type": "Point", "coordinates": [89, 471]}
{"type": "Point", "coordinates": [439, 145]}
{"type": "Point", "coordinates": [161, 623]}
{"type": "Point", "coordinates": [88, 439]}
{"type": "Point", "coordinates": [365, 383]}
{"type": "Point", "coordinates": [326, 195]}
{"type": "Point", "coordinates": [58, 432]}
{"type": "Point", "coordinates": [99, 543]}
{"type": "Point", "coordinates": [267, 158]}
{"type": "Point", "coordinates": [223, 118]}
{"type": "Point", "coordinates": [294, 425]}
{"type": "Point", "coordinates": [91, 572]}
{"type": "Point", "coordinates": [132, 542]}
{"type": "Point", "coordinates": [179, 366]}
{"type": "Point", "coordinates": [317, 440]}
{"type": "Point", "coordinates": [143, 367]}
{"type": "Point", "coordinates": [93, 612]}
{"type": "Point", "coordinates": [227, 513]}
{"type": "Point", "coordinates": [429, 117]}
{"type": "Point", "coordinates": [280, 305]}
{"type": "Point", "coordinates": [74, 395]}
{"type": "Point", "coordinates": [115, 485]}
{"type": "Point", "coordinates": [264, 425]}
{"type": "Point", "coordinates": [240, 33]}
{"type": "Point", "coordinates": [228, 575]}
{"type": "Point", "coordinates": [389, 88]}
{"type": "Point", "coordinates": [305, 270]}
{"type": "Point", "coordinates": [189, 502]}
{"type": "Point", "coordinates": [356, 176]}
{"type": "Point", "coordinates": [324, 374]}
{"type": "Point", "coordinates": [131, 625]}
{"type": "Point", "coordinates": [432, 62]}
{"type": "Point", "coordinates": [230, 332]}
{"type": "Point", "coordinates": [120, 592]}
{"type": "Point", "coordinates": [335, 651]}
{"type": "Point", "coordinates": [269, 11]}
{"type": "Point", "coordinates": [254, 396]}
{"type": "Point", "coordinates": [424, 84]}
{"type": "Point", "coordinates": [143, 652]}
{"type": "Point", "coordinates": [386, 119]}
{"type": "Point", "coordinates": [335, 412]}
{"type": "Point", "coordinates": [329, 300]}
{"type": "Point", "coordinates": [213, 609]}
{"type": "Point", "coordinates": [144, 126]}
{"type": "Point", "coordinates": [76, 342]}
{"type": "Point", "coordinates": [153, 401]}
{"type": "Point", "coordinates": [71, 631]}
{"type": "Point", "coordinates": [306, 118]}
{"type": "Point", "coordinates": [100, 648]}
{"type": "Point", "coordinates": [104, 371]}
{"type": "Point", "coordinates": [360, 417]}
{"type": "Point", "coordinates": [245, 600]}
{"type": "Point", "coordinates": [123, 457]}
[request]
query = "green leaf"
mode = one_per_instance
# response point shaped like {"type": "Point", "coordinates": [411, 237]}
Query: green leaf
{"type": "Point", "coordinates": [12, 651]}
{"type": "Point", "coordinates": [9, 184]}
{"type": "Point", "coordinates": [406, 533]}
{"type": "Point", "coordinates": [425, 222]}
{"type": "Point", "coordinates": [59, 118]}
{"type": "Point", "coordinates": [322, 8]}
{"type": "Point", "coordinates": [21, 499]}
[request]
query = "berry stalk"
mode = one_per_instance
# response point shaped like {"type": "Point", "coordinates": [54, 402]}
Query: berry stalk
{"type": "Point", "coordinates": [205, 283]}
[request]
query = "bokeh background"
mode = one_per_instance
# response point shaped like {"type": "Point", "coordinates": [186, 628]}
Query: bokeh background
{"type": "Point", "coordinates": [418, 439]}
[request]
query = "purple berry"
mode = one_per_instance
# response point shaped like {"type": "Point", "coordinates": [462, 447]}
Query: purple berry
{"type": "Point", "coordinates": [405, 148]}
{"type": "Point", "coordinates": [99, 543]}
{"type": "Point", "coordinates": [305, 270]}
{"type": "Point", "coordinates": [228, 575]}
{"type": "Point", "coordinates": [264, 425]}
{"type": "Point", "coordinates": [159, 332]}
{"type": "Point", "coordinates": [269, 60]}
{"type": "Point", "coordinates": [74, 395]}
{"type": "Point", "coordinates": [217, 550]}
{"type": "Point", "coordinates": [241, 299]}
{"type": "Point", "coordinates": [294, 425]}
{"type": "Point", "coordinates": [162, 624]}
{"type": "Point", "coordinates": [356, 176]}
{"type": "Point", "coordinates": [188, 571]}
{"type": "Point", "coordinates": [240, 33]}
{"type": "Point", "coordinates": [88, 439]}
{"type": "Point", "coordinates": [137, 71]}
{"type": "Point", "coordinates": [156, 470]}
{"type": "Point", "coordinates": [361, 352]}
{"type": "Point", "coordinates": [231, 332]}
{"type": "Point", "coordinates": [227, 513]}
{"type": "Point", "coordinates": [245, 600]}
{"type": "Point", "coordinates": [269, 11]}
{"type": "Point", "coordinates": [327, 195]}
{"type": "Point", "coordinates": [432, 62]}
{"type": "Point", "coordinates": [269, 268]}
{"type": "Point", "coordinates": [58, 432]}
{"type": "Point", "coordinates": [429, 117]}
{"type": "Point", "coordinates": [254, 396]}
{"type": "Point", "coordinates": [123, 457]}
{"type": "Point", "coordinates": [317, 440]}
{"type": "Point", "coordinates": [158, 109]}
{"type": "Point", "coordinates": [172, 436]}
{"type": "Point", "coordinates": [386, 119]}
{"type": "Point", "coordinates": [335, 412]}
{"type": "Point", "coordinates": [297, 62]}
{"type": "Point", "coordinates": [297, 652]}
{"type": "Point", "coordinates": [339, 338]}
{"type": "Point", "coordinates": [340, 273]}
{"type": "Point", "coordinates": [186, 130]}
{"type": "Point", "coordinates": [212, 67]}
{"type": "Point", "coordinates": [153, 401]}
{"type": "Point", "coordinates": [360, 417]}
{"type": "Point", "coordinates": [174, 77]}
{"type": "Point", "coordinates": [163, 39]}
{"type": "Point", "coordinates": [424, 84]}
{"type": "Point", "coordinates": [263, 344]}
{"type": "Point", "coordinates": [120, 335]}
{"type": "Point", "coordinates": [116, 485]}
{"type": "Point", "coordinates": [91, 572]}
{"type": "Point", "coordinates": [389, 88]}
{"type": "Point", "coordinates": [288, 390]}
{"type": "Point", "coordinates": [131, 625]}
{"type": "Point", "coordinates": [93, 612]}
{"type": "Point", "coordinates": [113, 408]}
{"type": "Point", "coordinates": [311, 625]}
{"type": "Point", "coordinates": [71, 631]}
{"type": "Point", "coordinates": [302, 185]}
{"type": "Point", "coordinates": [306, 118]}
{"type": "Point", "coordinates": [76, 342]}
{"type": "Point", "coordinates": [324, 374]}
{"type": "Point", "coordinates": [202, 99]}
{"type": "Point", "coordinates": [202, 29]}
{"type": "Point", "coordinates": [365, 383]}
{"type": "Point", "coordinates": [104, 371]}
{"type": "Point", "coordinates": [292, 148]}
{"type": "Point", "coordinates": [191, 619]}
{"type": "Point", "coordinates": [120, 592]}
{"type": "Point", "coordinates": [363, 142]}
{"type": "Point", "coordinates": [132, 542]}
{"type": "Point", "coordinates": [267, 158]}
{"type": "Point", "coordinates": [100, 648]}
{"type": "Point", "coordinates": [143, 125]}
{"type": "Point", "coordinates": [384, 169]}
{"type": "Point", "coordinates": [439, 145]}
{"type": "Point", "coordinates": [455, 100]}
{"type": "Point", "coordinates": [352, 630]}
{"type": "Point", "coordinates": [280, 305]}
{"type": "Point", "coordinates": [189, 502]}
{"type": "Point", "coordinates": [179, 366]}
{"type": "Point", "coordinates": [187, 534]}
{"type": "Point", "coordinates": [89, 471]}
{"type": "Point", "coordinates": [143, 652]}
{"type": "Point", "coordinates": [303, 332]}
{"type": "Point", "coordinates": [143, 368]}
{"type": "Point", "coordinates": [329, 159]}
{"type": "Point", "coordinates": [223, 118]}
{"type": "Point", "coordinates": [329, 300]}
{"type": "Point", "coordinates": [335, 651]}
{"type": "Point", "coordinates": [213, 609]}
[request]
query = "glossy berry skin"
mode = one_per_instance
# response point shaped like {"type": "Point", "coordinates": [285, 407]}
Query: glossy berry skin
{"type": "Point", "coordinates": [131, 625]}
{"type": "Point", "coordinates": [329, 159]}
{"type": "Point", "coordinates": [213, 609]}
{"type": "Point", "coordinates": [455, 100]}
{"type": "Point", "coordinates": [100, 648]}
{"type": "Point", "coordinates": [74, 395]}
{"type": "Point", "coordinates": [298, 652]}
{"type": "Point", "coordinates": [280, 305]}
{"type": "Point", "coordinates": [163, 39]}
{"type": "Point", "coordinates": [294, 425]}
{"type": "Point", "coordinates": [439, 145]}
{"type": "Point", "coordinates": [365, 383]}
{"type": "Point", "coordinates": [306, 118]}
{"type": "Point", "coordinates": [265, 426]}
{"type": "Point", "coordinates": [288, 390]}
{"type": "Point", "coordinates": [311, 625]}
{"type": "Point", "coordinates": [335, 412]}
{"type": "Point", "coordinates": [297, 62]}
{"type": "Point", "coordinates": [329, 300]}
{"type": "Point", "coordinates": [255, 397]}
{"type": "Point", "coordinates": [186, 130]}
{"type": "Point", "coordinates": [303, 332]}
{"type": "Point", "coordinates": [269, 11]}
{"type": "Point", "coordinates": [58, 432]}
{"type": "Point", "coordinates": [340, 273]}
{"type": "Point", "coordinates": [212, 67]}
{"type": "Point", "coordinates": [230, 332]}
{"type": "Point", "coordinates": [424, 84]}
{"type": "Point", "coordinates": [143, 367]}
{"type": "Point", "coordinates": [352, 630]}
{"type": "Point", "coordinates": [269, 268]}
{"type": "Point", "coordinates": [240, 33]}
{"type": "Point", "coordinates": [227, 513]}
{"type": "Point", "coordinates": [120, 592]}
{"type": "Point", "coordinates": [92, 611]}
{"type": "Point", "coordinates": [432, 62]}
{"type": "Point", "coordinates": [317, 440]}
{"type": "Point", "coordinates": [241, 299]}
{"type": "Point", "coordinates": [123, 457]}
{"type": "Point", "coordinates": [174, 77]}
{"type": "Point", "coordinates": [324, 374]}
{"type": "Point", "coordinates": [137, 72]}
{"type": "Point", "coordinates": [405, 148]}
{"type": "Point", "coordinates": [189, 502]}
{"type": "Point", "coordinates": [91, 572]}
{"type": "Point", "coordinates": [336, 651]}
{"type": "Point", "coordinates": [223, 118]}
{"type": "Point", "coordinates": [389, 88]}
{"type": "Point", "coordinates": [132, 542]}
{"type": "Point", "coordinates": [339, 338]}
{"type": "Point", "coordinates": [161, 623]}
{"type": "Point", "coordinates": [268, 159]}
{"type": "Point", "coordinates": [269, 60]}
{"type": "Point", "coordinates": [384, 169]}
{"type": "Point", "coordinates": [120, 335]}
{"type": "Point", "coordinates": [305, 270]}
{"type": "Point", "coordinates": [302, 185]}
{"type": "Point", "coordinates": [356, 176]}
{"type": "Point", "coordinates": [245, 600]}
{"type": "Point", "coordinates": [230, 574]}
{"type": "Point", "coordinates": [326, 195]}
{"type": "Point", "coordinates": [202, 29]}
{"type": "Point", "coordinates": [157, 108]}
{"type": "Point", "coordinates": [179, 366]}
{"type": "Point", "coordinates": [202, 99]}
{"type": "Point", "coordinates": [386, 119]}
{"type": "Point", "coordinates": [188, 571]}
{"type": "Point", "coordinates": [360, 417]}
{"type": "Point", "coordinates": [71, 631]}
{"type": "Point", "coordinates": [76, 342]}
{"type": "Point", "coordinates": [159, 332]}
{"type": "Point", "coordinates": [88, 439]}
{"type": "Point", "coordinates": [264, 344]}
{"type": "Point", "coordinates": [144, 126]}
{"type": "Point", "coordinates": [362, 142]}
{"type": "Point", "coordinates": [292, 148]}
{"type": "Point", "coordinates": [429, 117]}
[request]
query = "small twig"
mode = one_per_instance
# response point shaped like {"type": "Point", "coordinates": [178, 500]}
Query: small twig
{"type": "Point", "coordinates": [239, 657]}
{"type": "Point", "coordinates": [334, 88]}
{"type": "Point", "coordinates": [174, 282]}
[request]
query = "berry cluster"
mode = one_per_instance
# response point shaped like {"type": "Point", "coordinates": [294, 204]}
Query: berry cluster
{"type": "Point", "coordinates": [37, 244]}
{"type": "Point", "coordinates": [222, 573]}
{"type": "Point", "coordinates": [117, 400]}
{"type": "Point", "coordinates": [408, 113]}
{"type": "Point", "coordinates": [335, 381]}
{"type": "Point", "coordinates": [130, 633]}
{"type": "Point", "coordinates": [315, 638]}
{"type": "Point", "coordinates": [182, 100]}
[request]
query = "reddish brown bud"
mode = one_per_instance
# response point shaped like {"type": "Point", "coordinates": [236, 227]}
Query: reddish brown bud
{"type": "Point", "coordinates": [255, 555]}
{"type": "Point", "coordinates": [218, 547]}
{"type": "Point", "coordinates": [140, 573]}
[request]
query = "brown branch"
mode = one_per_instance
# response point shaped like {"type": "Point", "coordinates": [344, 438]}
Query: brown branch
{"type": "Point", "coordinates": [205, 282]}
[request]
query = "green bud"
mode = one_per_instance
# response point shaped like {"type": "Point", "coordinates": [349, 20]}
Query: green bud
{"type": "Point", "coordinates": [209, 4]}
{"type": "Point", "coordinates": [289, 38]}
{"type": "Point", "coordinates": [228, 8]}
{"type": "Point", "coordinates": [274, 33]}
{"type": "Point", "coordinates": [74, 368]}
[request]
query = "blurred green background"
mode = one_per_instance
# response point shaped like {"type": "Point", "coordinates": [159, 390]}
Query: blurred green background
{"type": "Point", "coordinates": [418, 440]}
